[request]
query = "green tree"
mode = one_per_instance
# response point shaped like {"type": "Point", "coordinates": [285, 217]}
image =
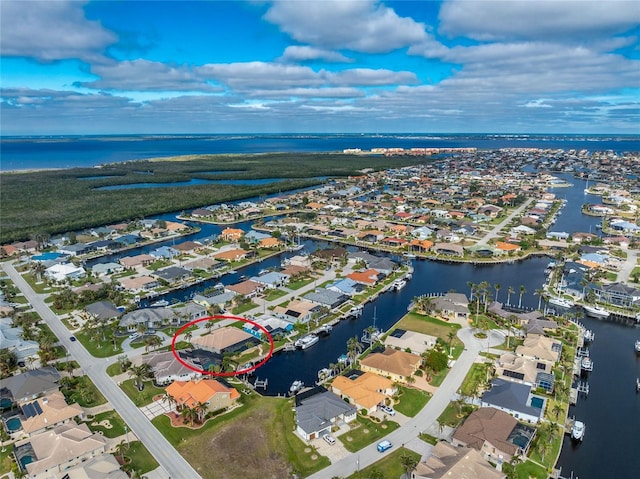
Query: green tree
{"type": "Point", "coordinates": [409, 464]}
{"type": "Point", "coordinates": [522, 291]}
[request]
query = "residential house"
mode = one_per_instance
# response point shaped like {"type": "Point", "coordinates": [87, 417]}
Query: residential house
{"type": "Point", "coordinates": [138, 284]}
{"type": "Point", "coordinates": [540, 348]}
{"type": "Point", "coordinates": [173, 274]}
{"type": "Point", "coordinates": [231, 234]}
{"type": "Point", "coordinates": [366, 391]}
{"type": "Point", "coordinates": [225, 340]}
{"type": "Point", "coordinates": [62, 272]}
{"type": "Point", "coordinates": [398, 365]}
{"type": "Point", "coordinates": [346, 286]}
{"type": "Point", "coordinates": [248, 288]}
{"type": "Point", "coordinates": [368, 277]}
{"type": "Point", "coordinates": [448, 249]}
{"type": "Point", "coordinates": [215, 395]}
{"type": "Point", "coordinates": [318, 410]}
{"type": "Point", "coordinates": [75, 249]}
{"type": "Point", "coordinates": [11, 339]}
{"type": "Point", "coordinates": [220, 299]}
{"type": "Point", "coordinates": [205, 264]}
{"type": "Point", "coordinates": [447, 461]}
{"type": "Point", "coordinates": [105, 269]}
{"type": "Point", "coordinates": [105, 466]}
{"type": "Point", "coordinates": [515, 399]}
{"type": "Point", "coordinates": [31, 384]}
{"type": "Point", "coordinates": [229, 255]}
{"type": "Point", "coordinates": [271, 324]}
{"type": "Point", "coordinates": [103, 310]}
{"type": "Point", "coordinates": [166, 368]}
{"type": "Point", "coordinates": [271, 279]}
{"type": "Point", "coordinates": [617, 294]}
{"type": "Point", "coordinates": [410, 341]}
{"type": "Point", "coordinates": [497, 435]}
{"type": "Point", "coordinates": [137, 261]}
{"type": "Point", "coordinates": [525, 370]}
{"type": "Point", "coordinates": [46, 412]}
{"type": "Point", "coordinates": [56, 450]}
{"type": "Point", "coordinates": [451, 306]}
{"type": "Point", "coordinates": [297, 311]}
{"type": "Point", "coordinates": [326, 297]}
{"type": "Point", "coordinates": [187, 246]}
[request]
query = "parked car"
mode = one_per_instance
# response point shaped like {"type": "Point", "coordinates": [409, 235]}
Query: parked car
{"type": "Point", "coordinates": [134, 336]}
{"type": "Point", "coordinates": [72, 338]}
{"type": "Point", "coordinates": [384, 445]}
{"type": "Point", "coordinates": [329, 439]}
{"type": "Point", "coordinates": [388, 410]}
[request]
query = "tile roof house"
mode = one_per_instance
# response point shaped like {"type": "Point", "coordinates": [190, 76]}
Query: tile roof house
{"type": "Point", "coordinates": [367, 277]}
{"type": "Point", "coordinates": [525, 370]}
{"type": "Point", "coordinates": [105, 466]}
{"type": "Point", "coordinates": [223, 340]}
{"type": "Point", "coordinates": [11, 339]}
{"type": "Point", "coordinates": [55, 450]}
{"type": "Point", "coordinates": [213, 393]}
{"type": "Point", "coordinates": [496, 434]}
{"type": "Point", "coordinates": [415, 342]}
{"type": "Point", "coordinates": [318, 410]}
{"type": "Point", "coordinates": [297, 311]}
{"type": "Point", "coordinates": [398, 365]}
{"type": "Point", "coordinates": [231, 255]}
{"type": "Point", "coordinates": [246, 288]}
{"type": "Point", "coordinates": [326, 297]}
{"type": "Point", "coordinates": [46, 412]}
{"type": "Point", "coordinates": [166, 368]}
{"type": "Point", "coordinates": [366, 391]}
{"type": "Point", "coordinates": [541, 348]}
{"type": "Point", "coordinates": [103, 310]}
{"type": "Point", "coordinates": [447, 461]}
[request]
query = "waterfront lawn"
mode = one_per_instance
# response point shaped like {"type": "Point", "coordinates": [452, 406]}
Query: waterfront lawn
{"type": "Point", "coordinates": [424, 324]}
{"type": "Point", "coordinates": [263, 425]}
{"type": "Point", "coordinates": [117, 424]}
{"type": "Point", "coordinates": [6, 461]}
{"type": "Point", "coordinates": [141, 459]}
{"type": "Point", "coordinates": [366, 432]}
{"type": "Point", "coordinates": [82, 390]}
{"type": "Point", "coordinates": [140, 398]}
{"type": "Point", "coordinates": [411, 401]}
{"type": "Point", "coordinates": [528, 470]}
{"type": "Point", "coordinates": [389, 466]}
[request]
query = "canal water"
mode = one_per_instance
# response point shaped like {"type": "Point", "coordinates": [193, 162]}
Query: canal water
{"type": "Point", "coordinates": [611, 447]}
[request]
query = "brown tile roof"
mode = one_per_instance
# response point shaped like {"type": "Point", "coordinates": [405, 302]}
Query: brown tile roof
{"type": "Point", "coordinates": [221, 338]}
{"type": "Point", "coordinates": [393, 361]}
{"type": "Point", "coordinates": [487, 424]}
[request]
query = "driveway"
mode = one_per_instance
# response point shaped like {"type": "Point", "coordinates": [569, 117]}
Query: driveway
{"type": "Point", "coordinates": [156, 408]}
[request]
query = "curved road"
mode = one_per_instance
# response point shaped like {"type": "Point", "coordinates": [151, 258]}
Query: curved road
{"type": "Point", "coordinates": [427, 416]}
{"type": "Point", "coordinates": [166, 455]}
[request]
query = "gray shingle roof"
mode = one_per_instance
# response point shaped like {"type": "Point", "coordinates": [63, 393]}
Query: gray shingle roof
{"type": "Point", "coordinates": [316, 412]}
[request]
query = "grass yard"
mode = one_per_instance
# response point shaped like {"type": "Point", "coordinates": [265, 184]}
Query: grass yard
{"type": "Point", "coordinates": [529, 470]}
{"type": "Point", "coordinates": [427, 325]}
{"type": "Point", "coordinates": [82, 390]}
{"type": "Point", "coordinates": [411, 401]}
{"type": "Point", "coordinates": [5, 459]}
{"type": "Point", "coordinates": [390, 465]}
{"type": "Point", "coordinates": [141, 459]}
{"type": "Point", "coordinates": [100, 349]}
{"type": "Point", "coordinates": [294, 285]}
{"type": "Point", "coordinates": [477, 375]}
{"type": "Point", "coordinates": [452, 416]}
{"type": "Point", "coordinates": [115, 369]}
{"type": "Point", "coordinates": [253, 441]}
{"type": "Point", "coordinates": [274, 294]}
{"type": "Point", "coordinates": [140, 398]}
{"type": "Point", "coordinates": [244, 308]}
{"type": "Point", "coordinates": [117, 424]}
{"type": "Point", "coordinates": [366, 432]}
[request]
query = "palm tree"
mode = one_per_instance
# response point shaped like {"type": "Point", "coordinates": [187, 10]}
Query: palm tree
{"type": "Point", "coordinates": [139, 374]}
{"type": "Point", "coordinates": [169, 399]}
{"type": "Point", "coordinates": [409, 464]}
{"type": "Point", "coordinates": [497, 287]}
{"type": "Point", "coordinates": [188, 414]}
{"type": "Point", "coordinates": [200, 408]}
{"type": "Point", "coordinates": [188, 335]}
{"type": "Point", "coordinates": [451, 336]}
{"type": "Point", "coordinates": [539, 292]}
{"type": "Point", "coordinates": [121, 447]}
{"type": "Point", "coordinates": [472, 288]}
{"type": "Point", "coordinates": [210, 324]}
{"type": "Point", "coordinates": [38, 269]}
{"type": "Point", "coordinates": [522, 291]}
{"type": "Point", "coordinates": [354, 347]}
{"type": "Point", "coordinates": [510, 291]}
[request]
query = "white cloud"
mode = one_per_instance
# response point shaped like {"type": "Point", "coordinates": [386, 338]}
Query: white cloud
{"type": "Point", "coordinates": [371, 77]}
{"type": "Point", "coordinates": [297, 53]}
{"type": "Point", "coordinates": [145, 75]}
{"type": "Point", "coordinates": [358, 25]}
{"type": "Point", "coordinates": [51, 30]}
{"type": "Point", "coordinates": [537, 19]}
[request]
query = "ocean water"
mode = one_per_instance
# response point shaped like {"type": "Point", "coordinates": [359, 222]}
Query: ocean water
{"type": "Point", "coordinates": [24, 153]}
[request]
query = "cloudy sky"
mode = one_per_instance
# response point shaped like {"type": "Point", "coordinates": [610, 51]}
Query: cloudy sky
{"type": "Point", "coordinates": [560, 66]}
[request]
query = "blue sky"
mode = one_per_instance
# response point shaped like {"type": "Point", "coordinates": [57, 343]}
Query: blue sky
{"type": "Point", "coordinates": [111, 67]}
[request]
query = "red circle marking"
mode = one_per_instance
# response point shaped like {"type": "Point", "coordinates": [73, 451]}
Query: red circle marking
{"type": "Point", "coordinates": [218, 318]}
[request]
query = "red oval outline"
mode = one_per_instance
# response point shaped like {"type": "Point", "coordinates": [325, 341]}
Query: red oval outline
{"type": "Point", "coordinates": [219, 318]}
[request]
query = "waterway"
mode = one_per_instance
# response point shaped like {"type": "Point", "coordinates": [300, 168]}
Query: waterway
{"type": "Point", "coordinates": [612, 409]}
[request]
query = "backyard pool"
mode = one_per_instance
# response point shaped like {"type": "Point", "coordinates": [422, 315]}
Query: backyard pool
{"type": "Point", "coordinates": [24, 460]}
{"type": "Point", "coordinates": [46, 256]}
{"type": "Point", "coordinates": [5, 403]}
{"type": "Point", "coordinates": [13, 424]}
{"type": "Point", "coordinates": [537, 402]}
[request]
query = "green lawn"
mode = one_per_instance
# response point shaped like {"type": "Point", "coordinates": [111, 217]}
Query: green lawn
{"type": "Point", "coordinates": [5, 459]}
{"type": "Point", "coordinates": [141, 459]}
{"type": "Point", "coordinates": [477, 375]}
{"type": "Point", "coordinates": [275, 294]}
{"type": "Point", "coordinates": [101, 349]}
{"type": "Point", "coordinates": [390, 465]}
{"type": "Point", "coordinates": [117, 424]}
{"type": "Point", "coordinates": [365, 433]}
{"type": "Point", "coordinates": [294, 285]}
{"type": "Point", "coordinates": [244, 308]}
{"type": "Point", "coordinates": [411, 401]}
{"type": "Point", "coordinates": [140, 398]}
{"type": "Point", "coordinates": [529, 470]}
{"type": "Point", "coordinates": [114, 369]}
{"type": "Point", "coordinates": [451, 416]}
{"type": "Point", "coordinates": [84, 392]}
{"type": "Point", "coordinates": [434, 327]}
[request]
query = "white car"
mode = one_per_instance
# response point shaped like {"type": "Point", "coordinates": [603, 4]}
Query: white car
{"type": "Point", "coordinates": [329, 439]}
{"type": "Point", "coordinates": [388, 410]}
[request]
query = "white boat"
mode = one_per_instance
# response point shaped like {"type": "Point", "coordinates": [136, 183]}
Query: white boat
{"type": "Point", "coordinates": [355, 312]}
{"type": "Point", "coordinates": [158, 304]}
{"type": "Point", "coordinates": [410, 255]}
{"type": "Point", "coordinates": [296, 247]}
{"type": "Point", "coordinates": [586, 363]}
{"type": "Point", "coordinates": [595, 311]}
{"type": "Point", "coordinates": [563, 303]}
{"type": "Point", "coordinates": [398, 284]}
{"type": "Point", "coordinates": [296, 386]}
{"type": "Point", "coordinates": [324, 373]}
{"type": "Point", "coordinates": [324, 329]}
{"type": "Point", "coordinates": [638, 346]}
{"type": "Point", "coordinates": [370, 337]}
{"type": "Point", "coordinates": [577, 431]}
{"type": "Point", "coordinates": [589, 335]}
{"type": "Point", "coordinates": [307, 341]}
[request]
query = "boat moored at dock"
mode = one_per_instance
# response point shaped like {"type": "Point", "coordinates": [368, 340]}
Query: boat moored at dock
{"type": "Point", "coordinates": [562, 302]}
{"type": "Point", "coordinates": [307, 341]}
{"type": "Point", "coordinates": [577, 431]}
{"type": "Point", "coordinates": [595, 311]}
{"type": "Point", "coordinates": [398, 284]}
{"type": "Point", "coordinates": [637, 346]}
{"type": "Point", "coordinates": [296, 386]}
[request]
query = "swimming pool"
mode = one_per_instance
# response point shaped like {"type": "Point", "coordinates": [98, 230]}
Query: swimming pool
{"type": "Point", "coordinates": [13, 424]}
{"type": "Point", "coordinates": [46, 256]}
{"type": "Point", "coordinates": [24, 460]}
{"type": "Point", "coordinates": [5, 403]}
{"type": "Point", "coordinates": [537, 402]}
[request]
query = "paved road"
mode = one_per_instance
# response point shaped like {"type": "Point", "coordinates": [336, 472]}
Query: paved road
{"type": "Point", "coordinates": [495, 232]}
{"type": "Point", "coordinates": [170, 460]}
{"type": "Point", "coordinates": [426, 417]}
{"type": "Point", "coordinates": [630, 263]}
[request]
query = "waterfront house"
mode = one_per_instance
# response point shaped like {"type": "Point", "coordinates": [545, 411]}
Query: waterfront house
{"type": "Point", "coordinates": [368, 277]}
{"type": "Point", "coordinates": [165, 252]}
{"type": "Point", "coordinates": [225, 340]}
{"type": "Point", "coordinates": [271, 279]}
{"type": "Point", "coordinates": [540, 348]}
{"type": "Point", "coordinates": [187, 246]}
{"type": "Point", "coordinates": [213, 394]}
{"type": "Point", "coordinates": [366, 391]}
{"type": "Point", "coordinates": [230, 255]}
{"type": "Point", "coordinates": [166, 368]}
{"type": "Point", "coordinates": [75, 249]}
{"type": "Point", "coordinates": [62, 272]}
{"type": "Point", "coordinates": [204, 264]}
{"type": "Point", "coordinates": [317, 410]}
{"type": "Point", "coordinates": [460, 462]}
{"type": "Point", "coordinates": [617, 294]}
{"type": "Point", "coordinates": [525, 370]}
{"type": "Point", "coordinates": [103, 311]}
{"type": "Point", "coordinates": [272, 324]}
{"type": "Point", "coordinates": [497, 435]}
{"type": "Point", "coordinates": [297, 311]}
{"type": "Point", "coordinates": [346, 286]}
{"type": "Point", "coordinates": [392, 363]}
{"type": "Point", "coordinates": [138, 284]}
{"type": "Point", "coordinates": [105, 466]}
{"type": "Point", "coordinates": [55, 450]}
{"type": "Point", "coordinates": [231, 234]}
{"type": "Point", "coordinates": [448, 249]}
{"type": "Point", "coordinates": [248, 288]}
{"type": "Point", "coordinates": [137, 261]}
{"type": "Point", "coordinates": [105, 269]}
{"type": "Point", "coordinates": [450, 306]}
{"type": "Point", "coordinates": [150, 318]}
{"type": "Point", "coordinates": [173, 274]}
{"type": "Point", "coordinates": [410, 341]}
{"type": "Point", "coordinates": [515, 399]}
{"type": "Point", "coordinates": [221, 299]}
{"type": "Point", "coordinates": [326, 297]}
